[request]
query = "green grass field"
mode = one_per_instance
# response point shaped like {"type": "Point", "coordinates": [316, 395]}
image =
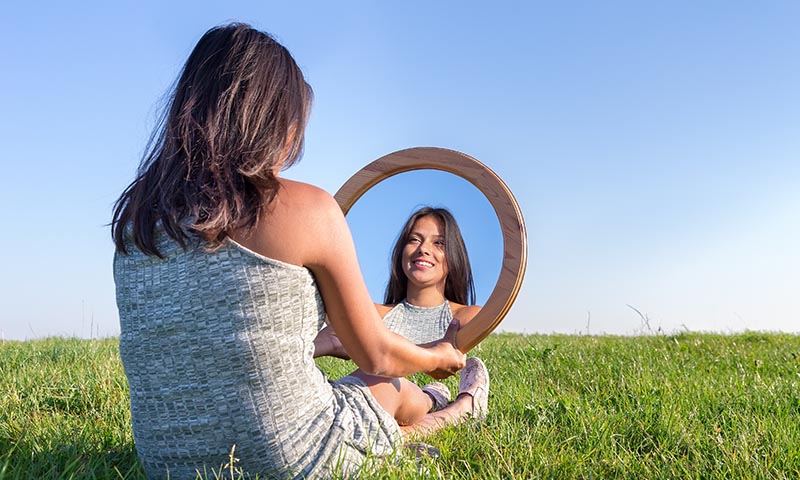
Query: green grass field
{"type": "Point", "coordinates": [684, 406]}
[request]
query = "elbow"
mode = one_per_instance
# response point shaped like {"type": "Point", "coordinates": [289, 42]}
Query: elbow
{"type": "Point", "coordinates": [377, 364]}
{"type": "Point", "coordinates": [378, 360]}
{"type": "Point", "coordinates": [384, 355]}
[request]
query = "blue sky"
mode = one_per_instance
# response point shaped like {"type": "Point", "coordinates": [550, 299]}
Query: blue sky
{"type": "Point", "coordinates": [654, 149]}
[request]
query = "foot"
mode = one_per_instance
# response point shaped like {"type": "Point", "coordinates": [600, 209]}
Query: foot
{"type": "Point", "coordinates": [475, 383]}
{"type": "Point", "coordinates": [420, 450]}
{"type": "Point", "coordinates": [423, 452]}
{"type": "Point", "coordinates": [439, 393]}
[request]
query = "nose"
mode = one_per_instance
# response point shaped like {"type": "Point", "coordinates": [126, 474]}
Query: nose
{"type": "Point", "coordinates": [424, 247]}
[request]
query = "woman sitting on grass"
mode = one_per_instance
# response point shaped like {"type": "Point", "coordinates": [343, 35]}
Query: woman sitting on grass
{"type": "Point", "coordinates": [224, 273]}
{"type": "Point", "coordinates": [430, 284]}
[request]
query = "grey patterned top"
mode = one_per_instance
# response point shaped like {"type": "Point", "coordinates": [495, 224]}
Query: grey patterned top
{"type": "Point", "coordinates": [419, 324]}
{"type": "Point", "coordinates": [217, 348]}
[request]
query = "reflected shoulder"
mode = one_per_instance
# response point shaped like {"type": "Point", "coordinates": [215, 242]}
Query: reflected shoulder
{"type": "Point", "coordinates": [383, 309]}
{"type": "Point", "coordinates": [464, 313]}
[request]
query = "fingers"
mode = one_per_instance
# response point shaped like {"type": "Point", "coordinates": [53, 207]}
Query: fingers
{"type": "Point", "coordinates": [440, 374]}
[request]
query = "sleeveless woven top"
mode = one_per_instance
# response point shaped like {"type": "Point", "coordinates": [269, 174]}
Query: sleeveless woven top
{"type": "Point", "coordinates": [419, 324]}
{"type": "Point", "coordinates": [217, 348]}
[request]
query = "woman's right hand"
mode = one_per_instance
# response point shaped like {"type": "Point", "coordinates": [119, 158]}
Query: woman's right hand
{"type": "Point", "coordinates": [451, 358]}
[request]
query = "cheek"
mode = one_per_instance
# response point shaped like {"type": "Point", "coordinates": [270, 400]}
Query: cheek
{"type": "Point", "coordinates": [405, 260]}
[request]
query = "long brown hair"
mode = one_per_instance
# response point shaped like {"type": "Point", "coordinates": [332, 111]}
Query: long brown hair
{"type": "Point", "coordinates": [238, 110]}
{"type": "Point", "coordinates": [459, 286]}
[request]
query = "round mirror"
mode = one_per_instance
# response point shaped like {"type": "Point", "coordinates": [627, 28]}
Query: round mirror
{"type": "Point", "coordinates": [506, 209]}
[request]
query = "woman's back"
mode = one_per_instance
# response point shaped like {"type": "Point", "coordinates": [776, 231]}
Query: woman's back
{"type": "Point", "coordinates": [210, 343]}
{"type": "Point", "coordinates": [216, 339]}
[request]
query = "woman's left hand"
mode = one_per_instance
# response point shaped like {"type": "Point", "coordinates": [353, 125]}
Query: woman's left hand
{"type": "Point", "coordinates": [327, 343]}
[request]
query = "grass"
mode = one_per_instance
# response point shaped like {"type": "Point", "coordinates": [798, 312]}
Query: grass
{"type": "Point", "coordinates": [682, 406]}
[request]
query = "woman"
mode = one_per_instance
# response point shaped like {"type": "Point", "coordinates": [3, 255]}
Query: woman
{"type": "Point", "coordinates": [430, 284]}
{"type": "Point", "coordinates": [224, 272]}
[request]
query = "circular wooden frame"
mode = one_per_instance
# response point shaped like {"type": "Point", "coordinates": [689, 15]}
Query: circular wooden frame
{"type": "Point", "coordinates": [515, 242]}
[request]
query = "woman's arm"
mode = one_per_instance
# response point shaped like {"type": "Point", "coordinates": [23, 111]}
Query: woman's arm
{"type": "Point", "coordinates": [315, 232]}
{"type": "Point", "coordinates": [327, 343]}
{"type": "Point", "coordinates": [352, 314]}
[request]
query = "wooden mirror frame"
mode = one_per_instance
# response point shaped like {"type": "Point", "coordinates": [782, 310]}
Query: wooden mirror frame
{"type": "Point", "coordinates": [515, 241]}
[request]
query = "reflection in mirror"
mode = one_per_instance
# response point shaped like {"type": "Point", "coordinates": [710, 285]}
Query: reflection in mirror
{"type": "Point", "coordinates": [378, 216]}
{"type": "Point", "coordinates": [509, 215]}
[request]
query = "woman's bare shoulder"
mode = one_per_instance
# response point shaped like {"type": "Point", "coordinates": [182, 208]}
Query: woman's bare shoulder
{"type": "Point", "coordinates": [465, 313]}
{"type": "Point", "coordinates": [301, 224]}
{"type": "Point", "coordinates": [307, 207]}
{"type": "Point", "coordinates": [303, 191]}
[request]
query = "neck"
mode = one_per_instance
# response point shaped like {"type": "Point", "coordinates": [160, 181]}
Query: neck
{"type": "Point", "coordinates": [425, 297]}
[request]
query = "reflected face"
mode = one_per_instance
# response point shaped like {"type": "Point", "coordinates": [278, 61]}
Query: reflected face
{"type": "Point", "coordinates": [424, 261]}
{"type": "Point", "coordinates": [374, 218]}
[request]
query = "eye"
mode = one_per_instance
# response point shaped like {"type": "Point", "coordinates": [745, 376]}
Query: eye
{"type": "Point", "coordinates": [439, 243]}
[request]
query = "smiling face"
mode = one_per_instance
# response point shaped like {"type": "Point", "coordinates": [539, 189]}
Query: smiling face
{"type": "Point", "coordinates": [424, 262]}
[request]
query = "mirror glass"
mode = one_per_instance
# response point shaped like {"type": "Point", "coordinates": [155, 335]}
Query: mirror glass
{"type": "Point", "coordinates": [376, 218]}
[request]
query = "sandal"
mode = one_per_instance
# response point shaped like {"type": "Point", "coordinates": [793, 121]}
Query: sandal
{"type": "Point", "coordinates": [439, 393]}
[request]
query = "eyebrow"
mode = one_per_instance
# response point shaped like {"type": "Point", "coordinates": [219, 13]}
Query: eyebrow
{"type": "Point", "coordinates": [417, 234]}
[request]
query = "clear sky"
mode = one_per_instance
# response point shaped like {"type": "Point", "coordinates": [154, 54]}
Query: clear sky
{"type": "Point", "coordinates": [654, 147]}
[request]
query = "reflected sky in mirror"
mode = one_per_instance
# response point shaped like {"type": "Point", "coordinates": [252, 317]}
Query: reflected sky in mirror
{"type": "Point", "coordinates": [377, 217]}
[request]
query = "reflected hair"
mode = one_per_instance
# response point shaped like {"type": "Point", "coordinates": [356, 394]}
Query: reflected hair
{"type": "Point", "coordinates": [237, 110]}
{"type": "Point", "coordinates": [459, 285]}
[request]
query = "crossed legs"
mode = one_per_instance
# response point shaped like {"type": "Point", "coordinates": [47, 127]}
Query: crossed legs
{"type": "Point", "coordinates": [410, 406]}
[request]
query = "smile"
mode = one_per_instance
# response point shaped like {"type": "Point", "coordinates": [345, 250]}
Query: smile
{"type": "Point", "coordinates": [422, 263]}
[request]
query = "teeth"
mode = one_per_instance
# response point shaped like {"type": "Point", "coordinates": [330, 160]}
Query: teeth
{"type": "Point", "coordinates": [423, 262]}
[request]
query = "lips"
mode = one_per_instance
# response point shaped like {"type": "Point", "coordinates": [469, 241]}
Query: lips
{"type": "Point", "coordinates": [422, 263]}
